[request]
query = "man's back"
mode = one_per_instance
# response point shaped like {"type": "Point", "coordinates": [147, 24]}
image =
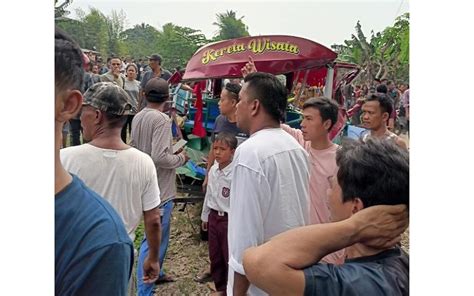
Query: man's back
{"type": "Point", "coordinates": [269, 193]}
{"type": "Point", "coordinates": [386, 273]}
{"type": "Point", "coordinates": [125, 178]}
{"type": "Point", "coordinates": [151, 133]}
{"type": "Point", "coordinates": [93, 253]}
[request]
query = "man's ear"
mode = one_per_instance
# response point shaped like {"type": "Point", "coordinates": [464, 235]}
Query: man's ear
{"type": "Point", "coordinates": [255, 107]}
{"type": "Point", "coordinates": [327, 124]}
{"type": "Point", "coordinates": [385, 116]}
{"type": "Point", "coordinates": [71, 105]}
{"type": "Point", "coordinates": [357, 205]}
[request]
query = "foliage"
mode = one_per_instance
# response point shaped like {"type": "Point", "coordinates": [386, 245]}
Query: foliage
{"type": "Point", "coordinates": [141, 40]}
{"type": "Point", "coordinates": [107, 34]}
{"type": "Point", "coordinates": [386, 55]}
{"type": "Point", "coordinates": [229, 26]}
{"type": "Point", "coordinates": [177, 44]}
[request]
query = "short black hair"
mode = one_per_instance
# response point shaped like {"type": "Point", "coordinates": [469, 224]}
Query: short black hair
{"type": "Point", "coordinates": [226, 138]}
{"type": "Point", "coordinates": [386, 103]}
{"type": "Point", "coordinates": [328, 109]}
{"type": "Point", "coordinates": [382, 88]}
{"type": "Point", "coordinates": [153, 97]}
{"type": "Point", "coordinates": [271, 93]}
{"type": "Point", "coordinates": [114, 120]}
{"type": "Point", "coordinates": [233, 89]}
{"type": "Point", "coordinates": [376, 171]}
{"type": "Point", "coordinates": [68, 62]}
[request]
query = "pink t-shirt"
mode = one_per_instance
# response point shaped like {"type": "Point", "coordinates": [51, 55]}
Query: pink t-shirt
{"type": "Point", "coordinates": [323, 166]}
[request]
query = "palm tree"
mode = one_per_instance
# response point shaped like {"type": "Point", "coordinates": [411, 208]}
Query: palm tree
{"type": "Point", "coordinates": [229, 26]}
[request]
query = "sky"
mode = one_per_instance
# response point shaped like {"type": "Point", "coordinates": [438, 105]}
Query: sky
{"type": "Point", "coordinates": [326, 22]}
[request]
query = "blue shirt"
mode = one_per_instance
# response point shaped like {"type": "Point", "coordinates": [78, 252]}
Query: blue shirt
{"type": "Point", "coordinates": [222, 124]}
{"type": "Point", "coordinates": [383, 274]}
{"type": "Point", "coordinates": [93, 253]}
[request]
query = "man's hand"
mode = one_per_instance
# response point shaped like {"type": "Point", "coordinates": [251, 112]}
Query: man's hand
{"type": "Point", "coordinates": [151, 271]}
{"type": "Point", "coordinates": [116, 71]}
{"type": "Point", "coordinates": [380, 226]}
{"type": "Point", "coordinates": [186, 157]}
{"type": "Point", "coordinates": [204, 226]}
{"type": "Point", "coordinates": [248, 68]}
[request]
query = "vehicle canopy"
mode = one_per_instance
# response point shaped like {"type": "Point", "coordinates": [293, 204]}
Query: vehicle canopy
{"type": "Point", "coordinates": [276, 54]}
{"type": "Point", "coordinates": [300, 59]}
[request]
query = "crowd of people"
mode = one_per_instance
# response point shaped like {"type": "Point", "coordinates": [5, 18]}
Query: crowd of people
{"type": "Point", "coordinates": [288, 212]}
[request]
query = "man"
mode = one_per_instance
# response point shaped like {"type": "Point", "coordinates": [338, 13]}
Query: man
{"type": "Point", "coordinates": [124, 176]}
{"type": "Point", "coordinates": [151, 133]}
{"type": "Point", "coordinates": [93, 253]}
{"type": "Point", "coordinates": [405, 104]}
{"type": "Point", "coordinates": [393, 93]}
{"type": "Point", "coordinates": [269, 193]}
{"type": "Point", "coordinates": [95, 69]}
{"type": "Point", "coordinates": [114, 75]}
{"type": "Point", "coordinates": [367, 224]}
{"type": "Point", "coordinates": [319, 116]}
{"type": "Point", "coordinates": [154, 62]}
{"type": "Point", "coordinates": [139, 66]}
{"type": "Point", "coordinates": [375, 113]}
{"type": "Point", "coordinates": [102, 67]}
{"type": "Point", "coordinates": [226, 121]}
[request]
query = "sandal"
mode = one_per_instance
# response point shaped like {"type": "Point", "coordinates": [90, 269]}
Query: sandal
{"type": "Point", "coordinates": [203, 277]}
{"type": "Point", "coordinates": [164, 279]}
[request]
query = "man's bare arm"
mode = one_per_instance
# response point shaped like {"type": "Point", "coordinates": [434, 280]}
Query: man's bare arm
{"type": "Point", "coordinates": [151, 265]}
{"type": "Point", "coordinates": [272, 265]}
{"type": "Point", "coordinates": [241, 284]}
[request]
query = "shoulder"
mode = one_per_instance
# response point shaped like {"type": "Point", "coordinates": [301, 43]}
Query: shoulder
{"type": "Point", "coordinates": [84, 211]}
{"type": "Point", "coordinates": [73, 151]}
{"type": "Point", "coordinates": [141, 157]}
{"type": "Point", "coordinates": [400, 142]}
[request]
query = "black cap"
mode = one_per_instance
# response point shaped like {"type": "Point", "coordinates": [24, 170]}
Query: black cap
{"type": "Point", "coordinates": [157, 88]}
{"type": "Point", "coordinates": [155, 57]}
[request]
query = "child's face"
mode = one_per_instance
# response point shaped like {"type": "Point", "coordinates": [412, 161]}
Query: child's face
{"type": "Point", "coordinates": [222, 152]}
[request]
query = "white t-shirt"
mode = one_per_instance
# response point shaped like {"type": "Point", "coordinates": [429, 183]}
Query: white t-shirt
{"type": "Point", "coordinates": [218, 190]}
{"type": "Point", "coordinates": [269, 194]}
{"type": "Point", "coordinates": [125, 178]}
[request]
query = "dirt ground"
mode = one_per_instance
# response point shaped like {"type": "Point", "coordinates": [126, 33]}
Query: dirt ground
{"type": "Point", "coordinates": [187, 255]}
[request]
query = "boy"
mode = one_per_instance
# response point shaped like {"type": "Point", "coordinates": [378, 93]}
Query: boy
{"type": "Point", "coordinates": [216, 207]}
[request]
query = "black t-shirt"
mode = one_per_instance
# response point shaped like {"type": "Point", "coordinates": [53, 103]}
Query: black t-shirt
{"type": "Point", "coordinates": [222, 124]}
{"type": "Point", "coordinates": [383, 274]}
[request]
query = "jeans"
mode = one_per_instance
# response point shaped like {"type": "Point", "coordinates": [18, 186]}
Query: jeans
{"type": "Point", "coordinates": [147, 289]}
{"type": "Point", "coordinates": [127, 126]}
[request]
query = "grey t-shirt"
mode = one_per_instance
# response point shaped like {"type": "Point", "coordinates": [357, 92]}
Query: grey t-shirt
{"type": "Point", "coordinates": [222, 124]}
{"type": "Point", "coordinates": [385, 273]}
{"type": "Point", "coordinates": [133, 89]}
{"type": "Point", "coordinates": [165, 74]}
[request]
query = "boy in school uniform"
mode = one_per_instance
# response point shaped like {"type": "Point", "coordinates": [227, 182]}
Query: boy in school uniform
{"type": "Point", "coordinates": [216, 208]}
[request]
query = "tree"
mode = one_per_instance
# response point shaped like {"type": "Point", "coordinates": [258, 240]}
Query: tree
{"type": "Point", "coordinates": [96, 31]}
{"type": "Point", "coordinates": [177, 44]}
{"type": "Point", "coordinates": [141, 40]}
{"type": "Point", "coordinates": [229, 26]}
{"type": "Point", "coordinates": [115, 26]}
{"type": "Point", "coordinates": [385, 55]}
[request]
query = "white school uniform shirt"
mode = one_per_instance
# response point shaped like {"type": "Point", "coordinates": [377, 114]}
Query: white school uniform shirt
{"type": "Point", "coordinates": [217, 191]}
{"type": "Point", "coordinates": [269, 194]}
